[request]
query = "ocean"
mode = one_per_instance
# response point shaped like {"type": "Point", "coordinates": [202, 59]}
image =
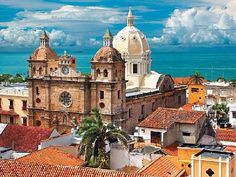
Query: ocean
{"type": "Point", "coordinates": [210, 64]}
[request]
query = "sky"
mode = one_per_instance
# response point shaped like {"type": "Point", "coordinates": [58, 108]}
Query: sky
{"type": "Point", "coordinates": [78, 25]}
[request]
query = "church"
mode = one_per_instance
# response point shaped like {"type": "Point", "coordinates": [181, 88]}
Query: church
{"type": "Point", "coordinates": [121, 85]}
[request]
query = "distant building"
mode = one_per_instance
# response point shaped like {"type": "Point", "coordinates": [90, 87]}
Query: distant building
{"type": "Point", "coordinates": [220, 92]}
{"type": "Point", "coordinates": [165, 126]}
{"type": "Point", "coordinates": [13, 104]}
{"type": "Point", "coordinates": [61, 97]}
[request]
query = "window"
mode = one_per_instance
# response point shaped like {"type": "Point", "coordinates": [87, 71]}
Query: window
{"type": "Point", "coordinates": [186, 134]}
{"type": "Point", "coordinates": [209, 172]}
{"type": "Point", "coordinates": [65, 98]}
{"type": "Point", "coordinates": [37, 90]}
{"type": "Point", "coordinates": [194, 90]}
{"type": "Point", "coordinates": [118, 94]}
{"type": "Point", "coordinates": [40, 71]}
{"type": "Point", "coordinates": [101, 94]}
{"type": "Point", "coordinates": [153, 106]}
{"type": "Point", "coordinates": [11, 105]}
{"type": "Point", "coordinates": [142, 109]}
{"type": "Point", "coordinates": [34, 70]}
{"type": "Point", "coordinates": [179, 99]}
{"type": "Point", "coordinates": [11, 120]}
{"type": "Point", "coordinates": [38, 122]}
{"type": "Point", "coordinates": [0, 102]}
{"type": "Point", "coordinates": [98, 72]}
{"type": "Point", "coordinates": [234, 114]}
{"type": "Point", "coordinates": [64, 119]}
{"type": "Point", "coordinates": [105, 73]}
{"type": "Point", "coordinates": [24, 105]}
{"type": "Point", "coordinates": [130, 113]}
{"type": "Point", "coordinates": [135, 68]}
{"type": "Point", "coordinates": [200, 98]}
{"type": "Point", "coordinates": [25, 121]}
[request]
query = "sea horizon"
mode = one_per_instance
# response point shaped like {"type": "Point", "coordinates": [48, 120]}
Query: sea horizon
{"type": "Point", "coordinates": [210, 63]}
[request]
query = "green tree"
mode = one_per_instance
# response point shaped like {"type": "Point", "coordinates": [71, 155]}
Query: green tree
{"type": "Point", "coordinates": [221, 111]}
{"type": "Point", "coordinates": [197, 78]}
{"type": "Point", "coordinates": [95, 135]}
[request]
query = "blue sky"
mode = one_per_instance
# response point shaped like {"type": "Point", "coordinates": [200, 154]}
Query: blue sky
{"type": "Point", "coordinates": [79, 24]}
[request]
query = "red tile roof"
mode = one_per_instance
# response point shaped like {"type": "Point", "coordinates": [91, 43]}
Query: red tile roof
{"type": "Point", "coordinates": [225, 135]}
{"type": "Point", "coordinates": [165, 117]}
{"type": "Point", "coordinates": [52, 156]}
{"type": "Point", "coordinates": [171, 150]}
{"type": "Point", "coordinates": [23, 138]}
{"type": "Point", "coordinates": [189, 106]}
{"type": "Point", "coordinates": [185, 80]}
{"type": "Point", "coordinates": [230, 149]}
{"type": "Point", "coordinates": [163, 166]}
{"type": "Point", "coordinates": [8, 113]}
{"type": "Point", "coordinates": [12, 168]}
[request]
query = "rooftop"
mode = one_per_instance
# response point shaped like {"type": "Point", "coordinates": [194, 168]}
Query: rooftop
{"type": "Point", "coordinates": [164, 117]}
{"type": "Point", "coordinates": [185, 80]}
{"type": "Point", "coordinates": [215, 154]}
{"type": "Point", "coordinates": [14, 168]}
{"type": "Point", "coordinates": [209, 147]}
{"type": "Point", "coordinates": [23, 138]}
{"type": "Point", "coordinates": [163, 166]}
{"type": "Point", "coordinates": [225, 135]}
{"type": "Point", "coordinates": [53, 156]}
{"type": "Point", "coordinates": [18, 89]}
{"type": "Point", "coordinates": [217, 84]}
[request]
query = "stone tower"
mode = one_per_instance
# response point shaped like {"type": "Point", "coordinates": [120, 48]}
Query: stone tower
{"type": "Point", "coordinates": [108, 81]}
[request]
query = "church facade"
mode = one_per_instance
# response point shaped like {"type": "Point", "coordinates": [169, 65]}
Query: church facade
{"type": "Point", "coordinates": [121, 84]}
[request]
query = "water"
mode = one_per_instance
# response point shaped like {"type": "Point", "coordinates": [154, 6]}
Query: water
{"type": "Point", "coordinates": [210, 64]}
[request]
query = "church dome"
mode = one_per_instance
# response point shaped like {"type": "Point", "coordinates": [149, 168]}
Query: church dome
{"type": "Point", "coordinates": [44, 52]}
{"type": "Point", "coordinates": [107, 54]}
{"type": "Point", "coordinates": [131, 40]}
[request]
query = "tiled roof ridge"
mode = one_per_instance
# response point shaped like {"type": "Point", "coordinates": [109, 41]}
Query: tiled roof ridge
{"type": "Point", "coordinates": [148, 165]}
{"type": "Point", "coordinates": [56, 148]}
{"type": "Point", "coordinates": [82, 170]}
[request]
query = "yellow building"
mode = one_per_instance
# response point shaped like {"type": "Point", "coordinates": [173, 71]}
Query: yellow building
{"type": "Point", "coordinates": [213, 163]}
{"type": "Point", "coordinates": [196, 93]}
{"type": "Point", "coordinates": [13, 104]}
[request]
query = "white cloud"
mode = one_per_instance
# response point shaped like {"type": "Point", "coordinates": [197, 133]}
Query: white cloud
{"type": "Point", "coordinates": [94, 42]}
{"type": "Point", "coordinates": [66, 25]}
{"type": "Point", "coordinates": [201, 25]}
{"type": "Point", "coordinates": [13, 37]}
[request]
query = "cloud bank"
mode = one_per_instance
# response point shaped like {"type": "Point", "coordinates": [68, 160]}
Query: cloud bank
{"type": "Point", "coordinates": [201, 25]}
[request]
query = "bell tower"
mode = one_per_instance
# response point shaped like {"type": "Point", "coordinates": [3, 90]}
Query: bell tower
{"type": "Point", "coordinates": [108, 81]}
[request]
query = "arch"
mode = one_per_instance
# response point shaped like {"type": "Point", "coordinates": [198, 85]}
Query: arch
{"type": "Point", "coordinates": [105, 73]}
{"type": "Point", "coordinates": [40, 71]}
{"type": "Point", "coordinates": [98, 72]}
{"type": "Point", "coordinates": [34, 70]}
{"type": "Point", "coordinates": [64, 119]}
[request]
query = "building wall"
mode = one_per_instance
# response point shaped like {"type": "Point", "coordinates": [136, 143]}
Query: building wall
{"type": "Point", "coordinates": [171, 99]}
{"type": "Point", "coordinates": [17, 96]}
{"type": "Point", "coordinates": [222, 168]}
{"type": "Point", "coordinates": [196, 93]}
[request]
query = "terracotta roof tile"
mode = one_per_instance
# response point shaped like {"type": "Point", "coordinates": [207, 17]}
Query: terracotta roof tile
{"type": "Point", "coordinates": [163, 166]}
{"type": "Point", "coordinates": [225, 135]}
{"type": "Point", "coordinates": [23, 138]}
{"type": "Point", "coordinates": [12, 168]}
{"type": "Point", "coordinates": [171, 150]}
{"type": "Point", "coordinates": [230, 149]}
{"type": "Point", "coordinates": [185, 80]}
{"type": "Point", "coordinates": [165, 117]}
{"type": "Point", "coordinates": [52, 156]}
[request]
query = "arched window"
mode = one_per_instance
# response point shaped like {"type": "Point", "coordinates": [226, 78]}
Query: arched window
{"type": "Point", "coordinates": [105, 73]}
{"type": "Point", "coordinates": [40, 71]}
{"type": "Point", "coordinates": [34, 70]}
{"type": "Point", "coordinates": [37, 90]}
{"type": "Point", "coordinates": [98, 72]}
{"type": "Point", "coordinates": [64, 119]}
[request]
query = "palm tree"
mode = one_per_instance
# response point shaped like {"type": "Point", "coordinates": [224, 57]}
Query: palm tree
{"type": "Point", "coordinates": [221, 110]}
{"type": "Point", "coordinates": [95, 135]}
{"type": "Point", "coordinates": [197, 78]}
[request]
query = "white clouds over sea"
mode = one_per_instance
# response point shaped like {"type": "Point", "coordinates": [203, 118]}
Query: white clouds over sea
{"type": "Point", "coordinates": [201, 25]}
